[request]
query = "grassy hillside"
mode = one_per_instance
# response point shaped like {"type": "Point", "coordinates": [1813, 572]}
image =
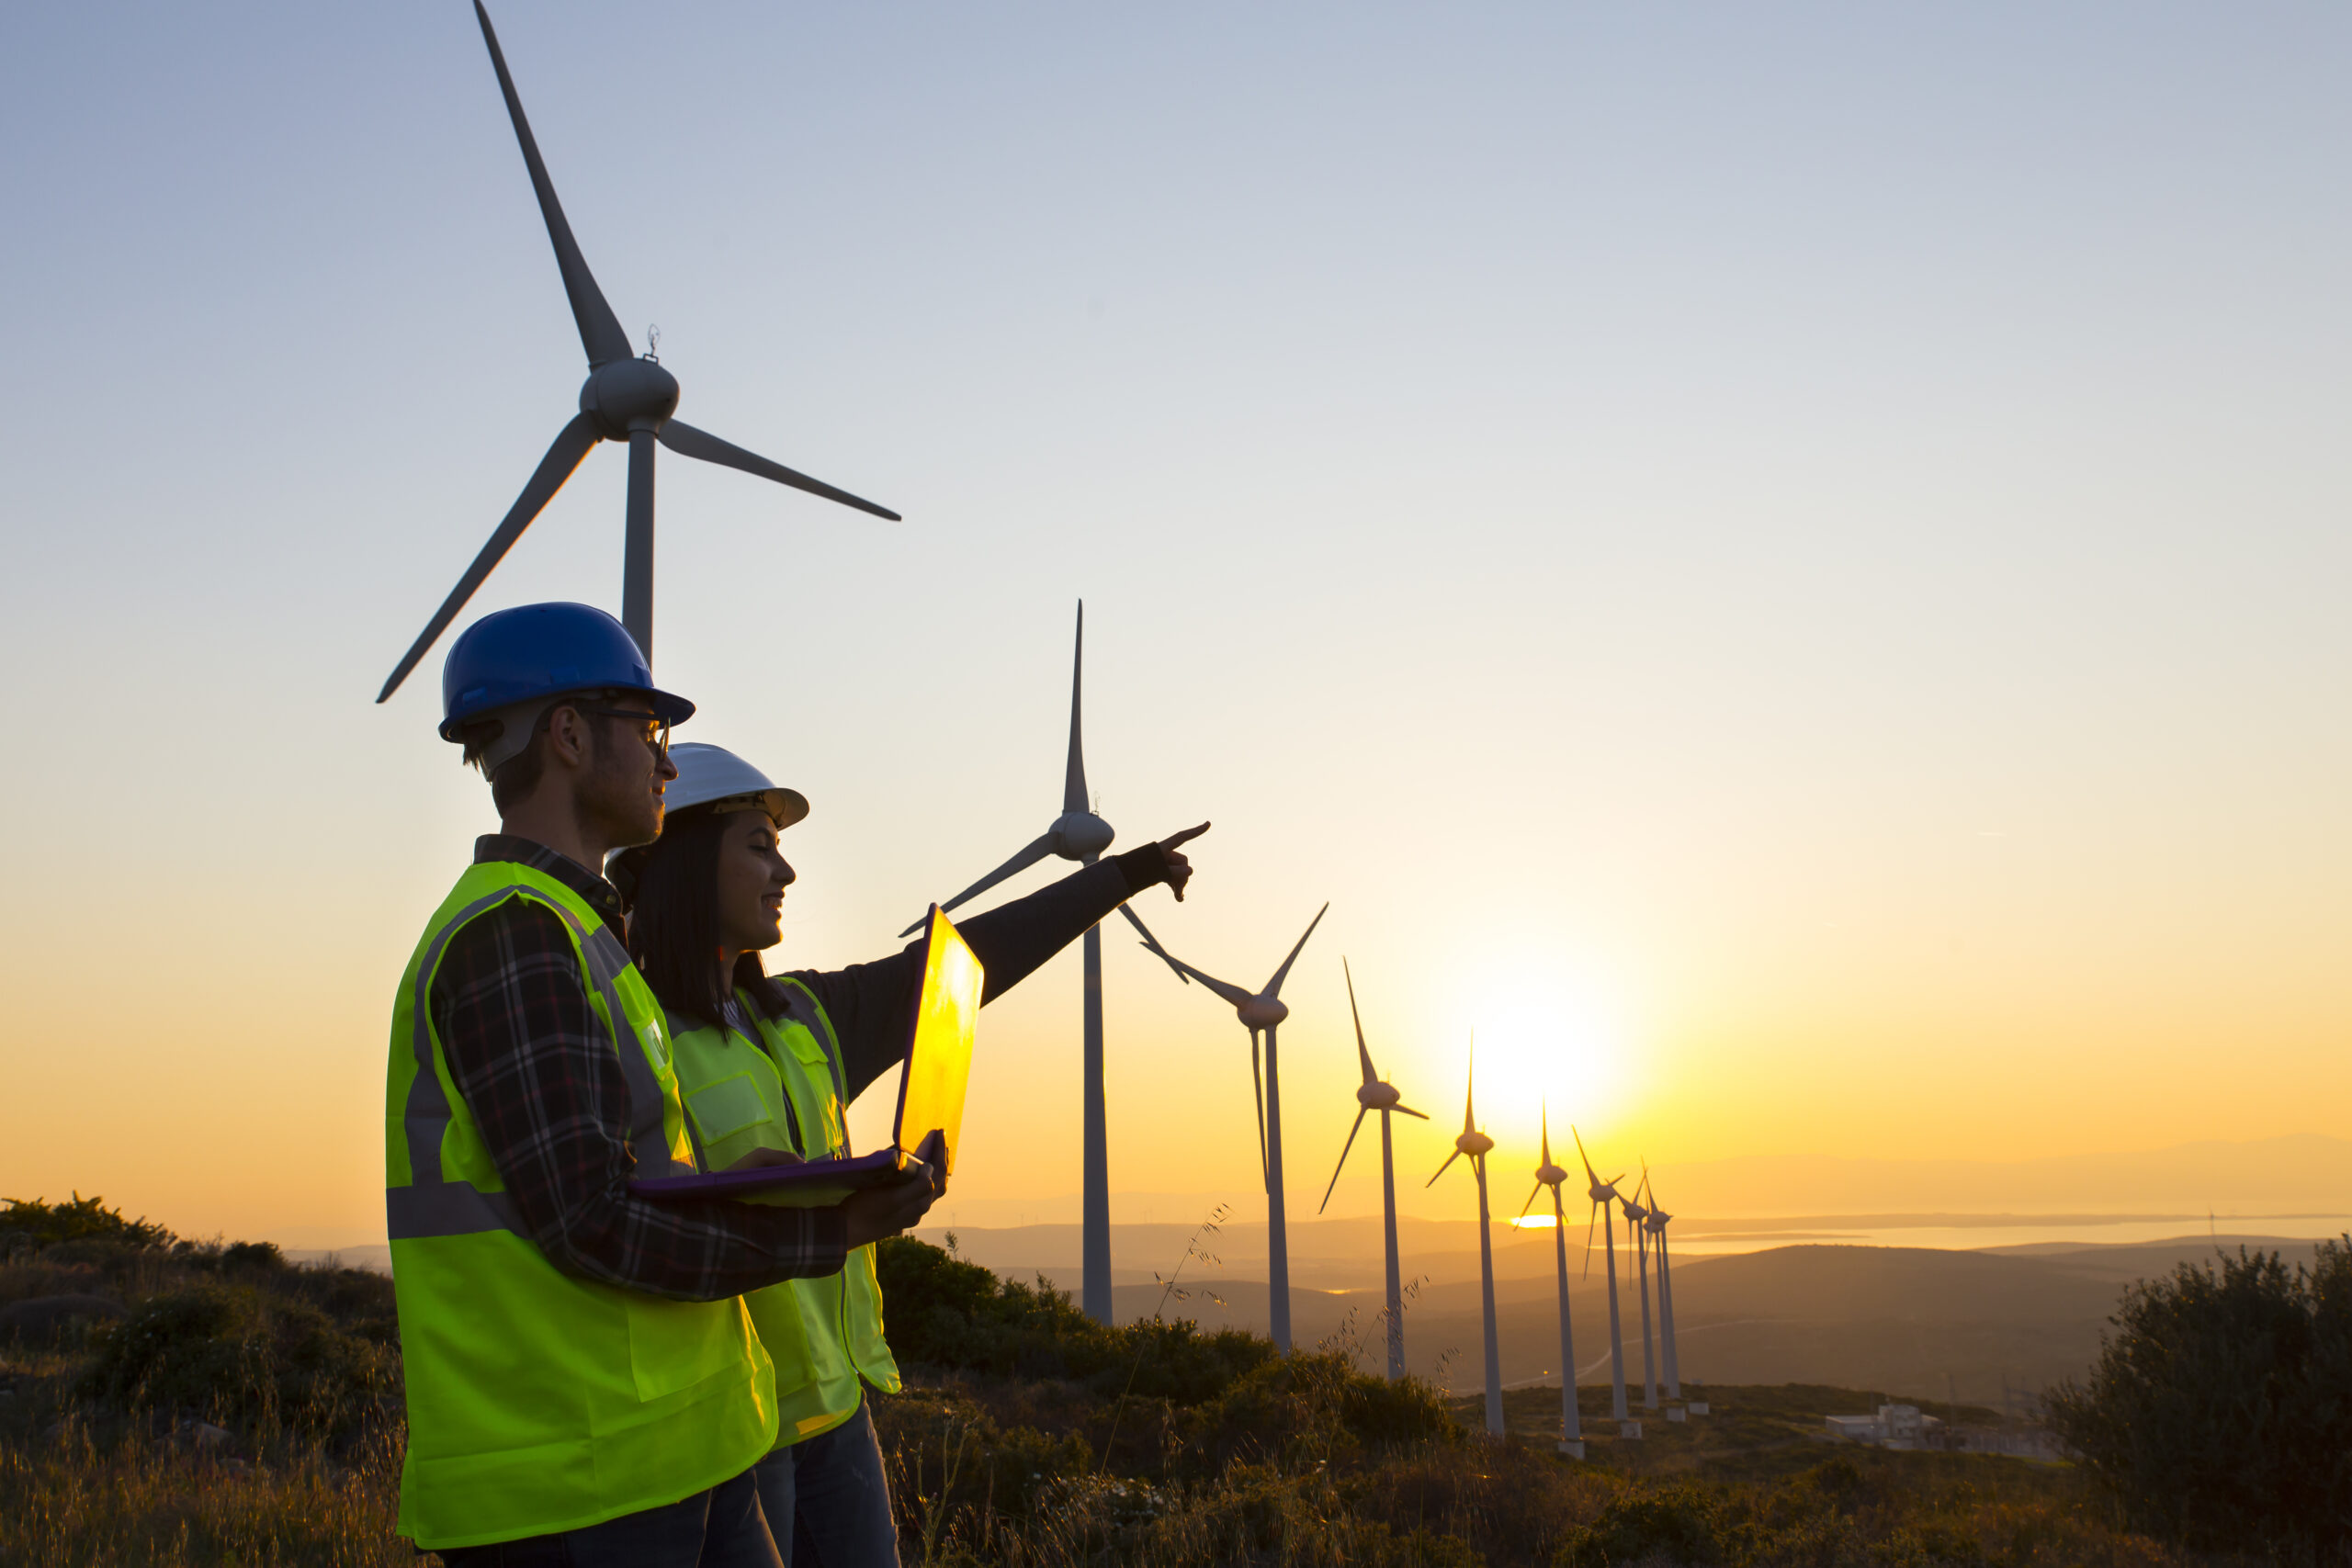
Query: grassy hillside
{"type": "Point", "coordinates": [215, 1405]}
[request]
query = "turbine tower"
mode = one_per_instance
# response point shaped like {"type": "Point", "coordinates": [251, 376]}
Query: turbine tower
{"type": "Point", "coordinates": [1637, 1231]}
{"type": "Point", "coordinates": [626, 397]}
{"type": "Point", "coordinates": [1656, 1224]}
{"type": "Point", "coordinates": [1261, 1013]}
{"type": "Point", "coordinates": [1475, 1144]}
{"type": "Point", "coordinates": [1374, 1095]}
{"type": "Point", "coordinates": [1077, 834]}
{"type": "Point", "coordinates": [1604, 1193]}
{"type": "Point", "coordinates": [1552, 1175]}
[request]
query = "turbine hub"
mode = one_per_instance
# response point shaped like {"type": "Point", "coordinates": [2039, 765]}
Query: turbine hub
{"type": "Point", "coordinates": [1550, 1175]}
{"type": "Point", "coordinates": [622, 395]}
{"type": "Point", "coordinates": [1262, 1013]}
{"type": "Point", "coordinates": [1601, 1193]}
{"type": "Point", "coordinates": [1379, 1096]}
{"type": "Point", "coordinates": [1474, 1144]}
{"type": "Point", "coordinates": [1077, 834]}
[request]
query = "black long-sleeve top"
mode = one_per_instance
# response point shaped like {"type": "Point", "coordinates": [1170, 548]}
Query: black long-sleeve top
{"type": "Point", "coordinates": [870, 1004]}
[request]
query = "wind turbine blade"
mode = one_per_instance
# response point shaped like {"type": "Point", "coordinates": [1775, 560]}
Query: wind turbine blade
{"type": "Point", "coordinates": [688, 442]}
{"type": "Point", "coordinates": [1074, 770]}
{"type": "Point", "coordinates": [1589, 1175]}
{"type": "Point", "coordinates": [1151, 943]}
{"type": "Point", "coordinates": [1590, 1216]}
{"type": "Point", "coordinates": [1363, 1054]}
{"type": "Point", "coordinates": [571, 445]}
{"type": "Point", "coordinates": [1529, 1204]}
{"type": "Point", "coordinates": [1258, 1087]}
{"type": "Point", "coordinates": [1274, 985]}
{"type": "Point", "coordinates": [1233, 993]}
{"type": "Point", "coordinates": [1441, 1169]}
{"type": "Point", "coordinates": [1547, 1135]}
{"type": "Point", "coordinates": [600, 330]}
{"type": "Point", "coordinates": [1037, 849]}
{"type": "Point", "coordinates": [1409, 1110]}
{"type": "Point", "coordinates": [1343, 1159]}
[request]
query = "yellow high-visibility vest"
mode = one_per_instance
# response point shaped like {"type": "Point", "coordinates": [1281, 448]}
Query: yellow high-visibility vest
{"type": "Point", "coordinates": [538, 1402]}
{"type": "Point", "coordinates": [784, 1091]}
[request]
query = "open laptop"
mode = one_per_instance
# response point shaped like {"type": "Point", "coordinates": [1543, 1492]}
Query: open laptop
{"type": "Point", "coordinates": [930, 1118]}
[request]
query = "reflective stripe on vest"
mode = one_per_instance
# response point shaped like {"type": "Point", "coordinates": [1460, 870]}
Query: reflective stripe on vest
{"type": "Point", "coordinates": [825, 1334]}
{"type": "Point", "coordinates": [540, 1402]}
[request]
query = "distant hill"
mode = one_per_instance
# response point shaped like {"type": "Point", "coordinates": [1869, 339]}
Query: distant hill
{"type": "Point", "coordinates": [1927, 1323]}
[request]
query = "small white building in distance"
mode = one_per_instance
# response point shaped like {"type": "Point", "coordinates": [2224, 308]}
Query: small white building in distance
{"type": "Point", "coordinates": [1894, 1426]}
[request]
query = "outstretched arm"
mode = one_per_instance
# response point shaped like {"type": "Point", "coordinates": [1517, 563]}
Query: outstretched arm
{"type": "Point", "coordinates": [868, 1003]}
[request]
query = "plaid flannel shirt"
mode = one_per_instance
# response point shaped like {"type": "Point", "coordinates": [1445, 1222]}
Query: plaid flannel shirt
{"type": "Point", "coordinates": [541, 1076]}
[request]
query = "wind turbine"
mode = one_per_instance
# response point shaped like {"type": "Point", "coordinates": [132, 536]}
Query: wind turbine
{"type": "Point", "coordinates": [1261, 1012]}
{"type": "Point", "coordinates": [1656, 1225]}
{"type": "Point", "coordinates": [1638, 1233]}
{"type": "Point", "coordinates": [1374, 1095]}
{"type": "Point", "coordinates": [1476, 1144]}
{"type": "Point", "coordinates": [626, 397]}
{"type": "Point", "coordinates": [1077, 834]}
{"type": "Point", "coordinates": [1604, 1193]}
{"type": "Point", "coordinates": [1552, 1175]}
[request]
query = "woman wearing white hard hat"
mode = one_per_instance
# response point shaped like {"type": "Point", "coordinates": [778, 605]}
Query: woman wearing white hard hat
{"type": "Point", "coordinates": [766, 1065]}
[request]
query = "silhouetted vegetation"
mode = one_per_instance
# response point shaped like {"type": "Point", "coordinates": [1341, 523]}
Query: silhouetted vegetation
{"type": "Point", "coordinates": [30, 1225]}
{"type": "Point", "coordinates": [2220, 1412]}
{"type": "Point", "coordinates": [237, 1408]}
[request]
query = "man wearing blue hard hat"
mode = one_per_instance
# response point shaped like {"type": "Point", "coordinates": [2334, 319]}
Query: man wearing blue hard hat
{"type": "Point", "coordinates": [584, 1383]}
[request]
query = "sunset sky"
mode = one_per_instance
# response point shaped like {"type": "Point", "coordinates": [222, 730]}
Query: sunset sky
{"type": "Point", "coordinates": [1786, 566]}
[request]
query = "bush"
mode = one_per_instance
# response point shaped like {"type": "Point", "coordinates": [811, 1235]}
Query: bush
{"type": "Point", "coordinates": [29, 1225]}
{"type": "Point", "coordinates": [238, 1358]}
{"type": "Point", "coordinates": [1677, 1523]}
{"type": "Point", "coordinates": [2220, 1412]}
{"type": "Point", "coordinates": [1316, 1405]}
{"type": "Point", "coordinates": [943, 1311]}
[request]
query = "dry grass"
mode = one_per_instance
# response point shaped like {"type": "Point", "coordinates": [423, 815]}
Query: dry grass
{"type": "Point", "coordinates": [128, 1500]}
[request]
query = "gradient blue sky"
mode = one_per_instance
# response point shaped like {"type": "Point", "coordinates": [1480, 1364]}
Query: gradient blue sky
{"type": "Point", "coordinates": [1785, 563]}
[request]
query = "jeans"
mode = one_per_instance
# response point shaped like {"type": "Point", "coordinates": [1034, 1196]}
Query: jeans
{"type": "Point", "coordinates": [828, 1501]}
{"type": "Point", "coordinates": [722, 1527]}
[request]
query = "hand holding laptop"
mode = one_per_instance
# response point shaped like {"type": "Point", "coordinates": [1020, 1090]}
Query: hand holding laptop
{"type": "Point", "coordinates": [896, 1206]}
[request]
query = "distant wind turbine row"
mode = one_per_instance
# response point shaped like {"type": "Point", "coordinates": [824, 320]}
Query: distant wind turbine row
{"type": "Point", "coordinates": [1080, 834]}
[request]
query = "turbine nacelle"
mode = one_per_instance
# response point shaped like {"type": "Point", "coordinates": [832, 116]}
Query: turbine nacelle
{"type": "Point", "coordinates": [623, 395]}
{"type": "Point", "coordinates": [1602, 1193]}
{"type": "Point", "coordinates": [1079, 835]}
{"type": "Point", "coordinates": [1265, 1012]}
{"type": "Point", "coordinates": [1657, 1221]}
{"type": "Point", "coordinates": [1378, 1096]}
{"type": "Point", "coordinates": [1634, 1213]}
{"type": "Point", "coordinates": [1474, 1144]}
{"type": "Point", "coordinates": [1550, 1175]}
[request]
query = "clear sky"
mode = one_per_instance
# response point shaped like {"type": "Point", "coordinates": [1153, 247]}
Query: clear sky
{"type": "Point", "coordinates": [1784, 564]}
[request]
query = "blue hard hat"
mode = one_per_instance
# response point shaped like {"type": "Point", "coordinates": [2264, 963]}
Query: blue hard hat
{"type": "Point", "coordinates": [545, 650]}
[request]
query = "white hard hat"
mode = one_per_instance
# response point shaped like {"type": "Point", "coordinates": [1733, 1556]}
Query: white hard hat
{"type": "Point", "coordinates": [716, 777]}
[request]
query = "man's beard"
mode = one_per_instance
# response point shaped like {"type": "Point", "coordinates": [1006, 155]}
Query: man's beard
{"type": "Point", "coordinates": [623, 806]}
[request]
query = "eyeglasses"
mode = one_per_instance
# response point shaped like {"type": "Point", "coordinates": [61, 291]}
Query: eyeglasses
{"type": "Point", "coordinates": [657, 735]}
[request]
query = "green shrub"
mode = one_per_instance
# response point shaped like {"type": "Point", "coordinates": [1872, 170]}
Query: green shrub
{"type": "Point", "coordinates": [943, 1311]}
{"type": "Point", "coordinates": [1675, 1522]}
{"type": "Point", "coordinates": [238, 1357]}
{"type": "Point", "coordinates": [1316, 1405]}
{"type": "Point", "coordinates": [30, 1224]}
{"type": "Point", "coordinates": [2220, 1412]}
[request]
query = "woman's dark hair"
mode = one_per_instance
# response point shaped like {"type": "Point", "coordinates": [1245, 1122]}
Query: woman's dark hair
{"type": "Point", "coordinates": [674, 924]}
